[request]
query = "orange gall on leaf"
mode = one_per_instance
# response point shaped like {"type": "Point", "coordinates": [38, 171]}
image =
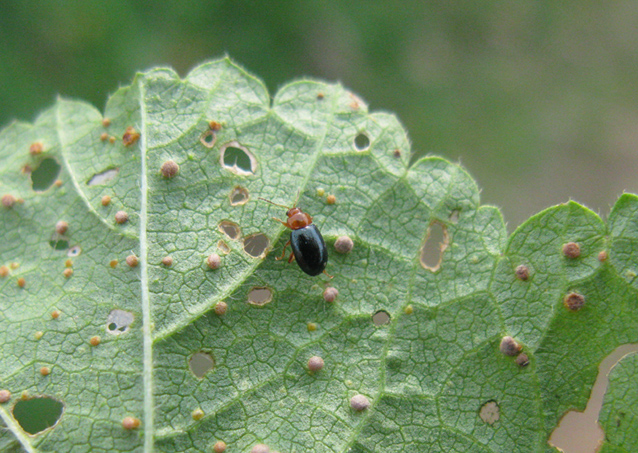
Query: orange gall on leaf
{"type": "Point", "coordinates": [8, 200]}
{"type": "Point", "coordinates": [121, 217]}
{"type": "Point", "coordinates": [571, 250]}
{"type": "Point", "coordinates": [36, 148]}
{"type": "Point", "coordinates": [130, 136]}
{"type": "Point", "coordinates": [130, 423]}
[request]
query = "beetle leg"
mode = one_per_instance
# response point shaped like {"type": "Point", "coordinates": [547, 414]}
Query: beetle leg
{"type": "Point", "coordinates": [329, 276]}
{"type": "Point", "coordinates": [281, 221]}
{"type": "Point", "coordinates": [284, 252]}
{"type": "Point", "coordinates": [291, 258]}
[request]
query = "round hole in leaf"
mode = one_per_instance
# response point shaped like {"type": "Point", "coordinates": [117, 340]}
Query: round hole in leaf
{"type": "Point", "coordinates": [361, 142]}
{"type": "Point", "coordinates": [381, 318]}
{"type": "Point", "coordinates": [118, 321]}
{"type": "Point", "coordinates": [37, 414]}
{"type": "Point", "coordinates": [208, 138]}
{"type": "Point", "coordinates": [238, 196]}
{"type": "Point", "coordinates": [256, 244]}
{"type": "Point", "coordinates": [74, 251]}
{"type": "Point", "coordinates": [45, 175]}
{"type": "Point", "coordinates": [201, 363]}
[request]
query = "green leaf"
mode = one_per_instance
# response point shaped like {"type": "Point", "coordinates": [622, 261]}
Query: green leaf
{"type": "Point", "coordinates": [618, 414]}
{"type": "Point", "coordinates": [431, 373]}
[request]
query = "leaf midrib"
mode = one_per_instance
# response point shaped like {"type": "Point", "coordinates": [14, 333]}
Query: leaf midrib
{"type": "Point", "coordinates": [149, 403]}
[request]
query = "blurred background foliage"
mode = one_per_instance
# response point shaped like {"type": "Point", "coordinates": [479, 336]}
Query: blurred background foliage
{"type": "Point", "coordinates": [537, 100]}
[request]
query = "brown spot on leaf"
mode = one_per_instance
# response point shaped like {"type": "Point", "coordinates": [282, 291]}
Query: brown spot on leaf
{"type": "Point", "coordinates": [571, 250]}
{"type": "Point", "coordinates": [522, 272]}
{"type": "Point", "coordinates": [169, 169]}
{"type": "Point", "coordinates": [574, 301]}
{"type": "Point", "coordinates": [8, 200]}
{"type": "Point", "coordinates": [36, 148]}
{"type": "Point", "coordinates": [130, 136]}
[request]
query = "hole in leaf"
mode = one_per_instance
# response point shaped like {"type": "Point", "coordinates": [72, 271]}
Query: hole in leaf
{"type": "Point", "coordinates": [256, 244]}
{"type": "Point", "coordinates": [381, 318]}
{"type": "Point", "coordinates": [361, 142]}
{"type": "Point", "coordinates": [118, 321]}
{"type": "Point", "coordinates": [236, 159]}
{"type": "Point", "coordinates": [230, 229]}
{"type": "Point", "coordinates": [490, 412]}
{"type": "Point", "coordinates": [58, 242]}
{"type": "Point", "coordinates": [45, 175]}
{"type": "Point", "coordinates": [580, 431]}
{"type": "Point", "coordinates": [259, 295]}
{"type": "Point", "coordinates": [37, 414]}
{"type": "Point", "coordinates": [436, 241]}
{"type": "Point", "coordinates": [238, 196]}
{"type": "Point", "coordinates": [208, 138]}
{"type": "Point", "coordinates": [104, 177]}
{"type": "Point", "coordinates": [74, 251]}
{"type": "Point", "coordinates": [454, 215]}
{"type": "Point", "coordinates": [201, 363]}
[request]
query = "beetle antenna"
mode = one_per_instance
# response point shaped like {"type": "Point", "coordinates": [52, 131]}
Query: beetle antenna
{"type": "Point", "coordinates": [297, 199]}
{"type": "Point", "coordinates": [276, 204]}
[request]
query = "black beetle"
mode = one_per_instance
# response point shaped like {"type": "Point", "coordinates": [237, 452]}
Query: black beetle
{"type": "Point", "coordinates": [308, 246]}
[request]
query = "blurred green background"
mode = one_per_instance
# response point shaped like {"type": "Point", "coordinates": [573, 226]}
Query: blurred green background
{"type": "Point", "coordinates": [537, 100]}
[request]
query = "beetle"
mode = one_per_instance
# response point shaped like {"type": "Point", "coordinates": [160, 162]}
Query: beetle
{"type": "Point", "coordinates": [308, 246]}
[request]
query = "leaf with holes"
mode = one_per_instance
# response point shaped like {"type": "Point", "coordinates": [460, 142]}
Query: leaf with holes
{"type": "Point", "coordinates": [143, 307]}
